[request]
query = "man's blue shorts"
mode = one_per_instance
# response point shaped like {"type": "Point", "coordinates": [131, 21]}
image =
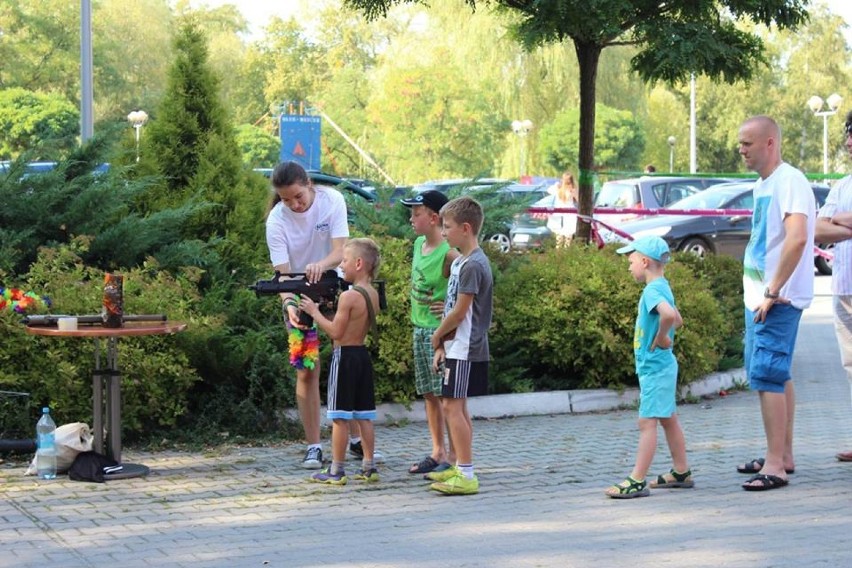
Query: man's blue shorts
{"type": "Point", "coordinates": [769, 347]}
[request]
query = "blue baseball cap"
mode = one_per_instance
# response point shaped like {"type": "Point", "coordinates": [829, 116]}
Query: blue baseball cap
{"type": "Point", "coordinates": [651, 246]}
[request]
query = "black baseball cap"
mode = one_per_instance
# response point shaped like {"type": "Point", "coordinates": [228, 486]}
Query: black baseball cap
{"type": "Point", "coordinates": [432, 199]}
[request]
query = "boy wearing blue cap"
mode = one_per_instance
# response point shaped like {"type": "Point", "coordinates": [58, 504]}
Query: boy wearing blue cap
{"type": "Point", "coordinates": [656, 366]}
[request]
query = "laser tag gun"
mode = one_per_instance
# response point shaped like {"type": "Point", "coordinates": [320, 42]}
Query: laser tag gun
{"type": "Point", "coordinates": [324, 291]}
{"type": "Point", "coordinates": [53, 319]}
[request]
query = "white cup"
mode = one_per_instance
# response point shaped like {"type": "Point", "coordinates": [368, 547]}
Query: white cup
{"type": "Point", "coordinates": [67, 324]}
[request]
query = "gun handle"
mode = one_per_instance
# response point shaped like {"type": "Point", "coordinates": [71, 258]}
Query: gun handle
{"type": "Point", "coordinates": [305, 319]}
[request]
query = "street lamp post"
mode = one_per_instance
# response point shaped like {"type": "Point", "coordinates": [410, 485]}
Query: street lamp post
{"type": "Point", "coordinates": [671, 140]}
{"type": "Point", "coordinates": [137, 118]}
{"type": "Point", "coordinates": [522, 128]}
{"type": "Point", "coordinates": [815, 103]}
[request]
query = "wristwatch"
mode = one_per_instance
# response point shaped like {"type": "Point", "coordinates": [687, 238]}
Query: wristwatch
{"type": "Point", "coordinates": [770, 295]}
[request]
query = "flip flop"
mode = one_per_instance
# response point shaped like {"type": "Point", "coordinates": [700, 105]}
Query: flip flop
{"type": "Point", "coordinates": [755, 465]}
{"type": "Point", "coordinates": [425, 465]}
{"type": "Point", "coordinates": [767, 482]}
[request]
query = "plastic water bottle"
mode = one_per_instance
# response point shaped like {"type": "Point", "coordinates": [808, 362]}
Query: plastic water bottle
{"type": "Point", "coordinates": [46, 452]}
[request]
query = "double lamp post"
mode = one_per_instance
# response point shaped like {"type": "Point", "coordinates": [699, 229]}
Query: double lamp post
{"type": "Point", "coordinates": [816, 104]}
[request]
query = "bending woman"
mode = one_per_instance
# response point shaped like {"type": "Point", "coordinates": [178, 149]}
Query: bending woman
{"type": "Point", "coordinates": [306, 228]}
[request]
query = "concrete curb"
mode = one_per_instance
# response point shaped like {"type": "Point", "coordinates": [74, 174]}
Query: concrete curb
{"type": "Point", "coordinates": [552, 402]}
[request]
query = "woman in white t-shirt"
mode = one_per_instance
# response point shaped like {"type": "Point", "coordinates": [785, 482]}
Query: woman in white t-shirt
{"type": "Point", "coordinates": [306, 228]}
{"type": "Point", "coordinates": [564, 225]}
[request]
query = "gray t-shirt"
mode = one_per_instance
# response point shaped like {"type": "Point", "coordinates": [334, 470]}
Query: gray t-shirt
{"type": "Point", "coordinates": [471, 275]}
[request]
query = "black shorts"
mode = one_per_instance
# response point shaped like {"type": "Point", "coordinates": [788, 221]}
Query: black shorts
{"type": "Point", "coordinates": [351, 393]}
{"type": "Point", "coordinates": [463, 379]}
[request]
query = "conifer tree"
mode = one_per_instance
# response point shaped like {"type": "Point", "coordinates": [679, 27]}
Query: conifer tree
{"type": "Point", "coordinates": [192, 143]}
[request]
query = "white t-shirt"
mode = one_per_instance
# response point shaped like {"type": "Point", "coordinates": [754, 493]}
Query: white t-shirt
{"type": "Point", "coordinates": [785, 191]}
{"type": "Point", "coordinates": [303, 238]}
{"type": "Point", "coordinates": [839, 200]}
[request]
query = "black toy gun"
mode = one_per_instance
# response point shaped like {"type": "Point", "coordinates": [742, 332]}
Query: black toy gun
{"type": "Point", "coordinates": [324, 291]}
{"type": "Point", "coordinates": [53, 319]}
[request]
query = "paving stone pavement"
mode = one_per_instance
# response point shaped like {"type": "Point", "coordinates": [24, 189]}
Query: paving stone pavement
{"type": "Point", "coordinates": [541, 502]}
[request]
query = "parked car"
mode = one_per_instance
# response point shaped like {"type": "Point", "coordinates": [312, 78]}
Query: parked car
{"type": "Point", "coordinates": [466, 184]}
{"type": "Point", "coordinates": [645, 192]}
{"type": "Point", "coordinates": [703, 235]}
{"type": "Point", "coordinates": [522, 194]}
{"type": "Point", "coordinates": [495, 231]}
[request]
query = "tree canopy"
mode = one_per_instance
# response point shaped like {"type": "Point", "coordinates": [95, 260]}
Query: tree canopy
{"type": "Point", "coordinates": [674, 40]}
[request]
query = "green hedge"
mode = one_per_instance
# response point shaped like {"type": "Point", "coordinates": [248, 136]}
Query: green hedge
{"type": "Point", "coordinates": [563, 319]}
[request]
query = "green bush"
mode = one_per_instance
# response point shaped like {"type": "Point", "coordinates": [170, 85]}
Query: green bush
{"type": "Point", "coordinates": [156, 374]}
{"type": "Point", "coordinates": [564, 320]}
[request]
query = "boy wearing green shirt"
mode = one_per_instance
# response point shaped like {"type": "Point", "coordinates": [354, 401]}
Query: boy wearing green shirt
{"type": "Point", "coordinates": [430, 271]}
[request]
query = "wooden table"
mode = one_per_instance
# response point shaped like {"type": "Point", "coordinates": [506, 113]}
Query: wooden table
{"type": "Point", "coordinates": [110, 375]}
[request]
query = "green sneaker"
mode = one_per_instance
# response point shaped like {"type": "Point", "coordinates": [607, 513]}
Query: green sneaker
{"type": "Point", "coordinates": [371, 476]}
{"type": "Point", "coordinates": [458, 485]}
{"type": "Point", "coordinates": [325, 476]}
{"type": "Point", "coordinates": [442, 476]}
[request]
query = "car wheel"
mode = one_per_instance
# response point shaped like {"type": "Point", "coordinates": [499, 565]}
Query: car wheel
{"type": "Point", "coordinates": [502, 241]}
{"type": "Point", "coordinates": [696, 246]}
{"type": "Point", "coordinates": [824, 265]}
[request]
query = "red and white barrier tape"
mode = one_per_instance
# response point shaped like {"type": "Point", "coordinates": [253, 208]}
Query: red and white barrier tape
{"type": "Point", "coordinates": [627, 237]}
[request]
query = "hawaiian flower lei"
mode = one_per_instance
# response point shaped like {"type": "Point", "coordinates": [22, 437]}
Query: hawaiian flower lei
{"type": "Point", "coordinates": [20, 301]}
{"type": "Point", "coordinates": [304, 347]}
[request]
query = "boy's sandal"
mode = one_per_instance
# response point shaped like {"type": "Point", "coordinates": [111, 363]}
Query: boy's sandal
{"type": "Point", "coordinates": [425, 465]}
{"type": "Point", "coordinates": [673, 480]}
{"type": "Point", "coordinates": [632, 490]}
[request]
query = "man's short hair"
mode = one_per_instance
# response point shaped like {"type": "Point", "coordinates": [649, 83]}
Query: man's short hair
{"type": "Point", "coordinates": [464, 210]}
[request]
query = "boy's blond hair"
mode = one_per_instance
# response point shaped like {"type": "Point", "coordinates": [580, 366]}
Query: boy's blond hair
{"type": "Point", "coordinates": [464, 210]}
{"type": "Point", "coordinates": [368, 251]}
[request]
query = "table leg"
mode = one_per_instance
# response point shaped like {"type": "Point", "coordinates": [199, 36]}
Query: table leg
{"type": "Point", "coordinates": [113, 401]}
{"type": "Point", "coordinates": [98, 399]}
{"type": "Point", "coordinates": [113, 411]}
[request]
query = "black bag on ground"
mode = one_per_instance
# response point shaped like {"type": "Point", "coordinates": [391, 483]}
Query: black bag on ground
{"type": "Point", "coordinates": [91, 466]}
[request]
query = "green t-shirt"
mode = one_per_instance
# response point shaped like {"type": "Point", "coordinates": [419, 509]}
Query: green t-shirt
{"type": "Point", "coordinates": [428, 283]}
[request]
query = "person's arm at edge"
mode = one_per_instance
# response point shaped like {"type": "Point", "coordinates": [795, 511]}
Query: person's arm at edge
{"type": "Point", "coordinates": [843, 218]}
{"type": "Point", "coordinates": [828, 230]}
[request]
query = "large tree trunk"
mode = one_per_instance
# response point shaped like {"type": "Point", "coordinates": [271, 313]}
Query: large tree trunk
{"type": "Point", "coordinates": [588, 56]}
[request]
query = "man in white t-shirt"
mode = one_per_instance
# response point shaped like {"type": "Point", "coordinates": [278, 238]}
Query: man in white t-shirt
{"type": "Point", "coordinates": [778, 283]}
{"type": "Point", "coordinates": [834, 225]}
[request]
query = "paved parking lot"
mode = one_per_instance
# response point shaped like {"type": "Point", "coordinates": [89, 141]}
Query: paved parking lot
{"type": "Point", "coordinates": [541, 500]}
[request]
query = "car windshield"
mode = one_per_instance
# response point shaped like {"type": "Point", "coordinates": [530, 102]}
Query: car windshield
{"type": "Point", "coordinates": [712, 198]}
{"type": "Point", "coordinates": [616, 195]}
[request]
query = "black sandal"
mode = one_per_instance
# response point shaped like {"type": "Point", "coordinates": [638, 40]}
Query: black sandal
{"type": "Point", "coordinates": [425, 465]}
{"type": "Point", "coordinates": [677, 481]}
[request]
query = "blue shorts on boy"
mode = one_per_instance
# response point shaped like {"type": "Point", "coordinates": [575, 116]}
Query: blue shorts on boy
{"type": "Point", "coordinates": [769, 347]}
{"type": "Point", "coordinates": [657, 369]}
{"type": "Point", "coordinates": [351, 393]}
